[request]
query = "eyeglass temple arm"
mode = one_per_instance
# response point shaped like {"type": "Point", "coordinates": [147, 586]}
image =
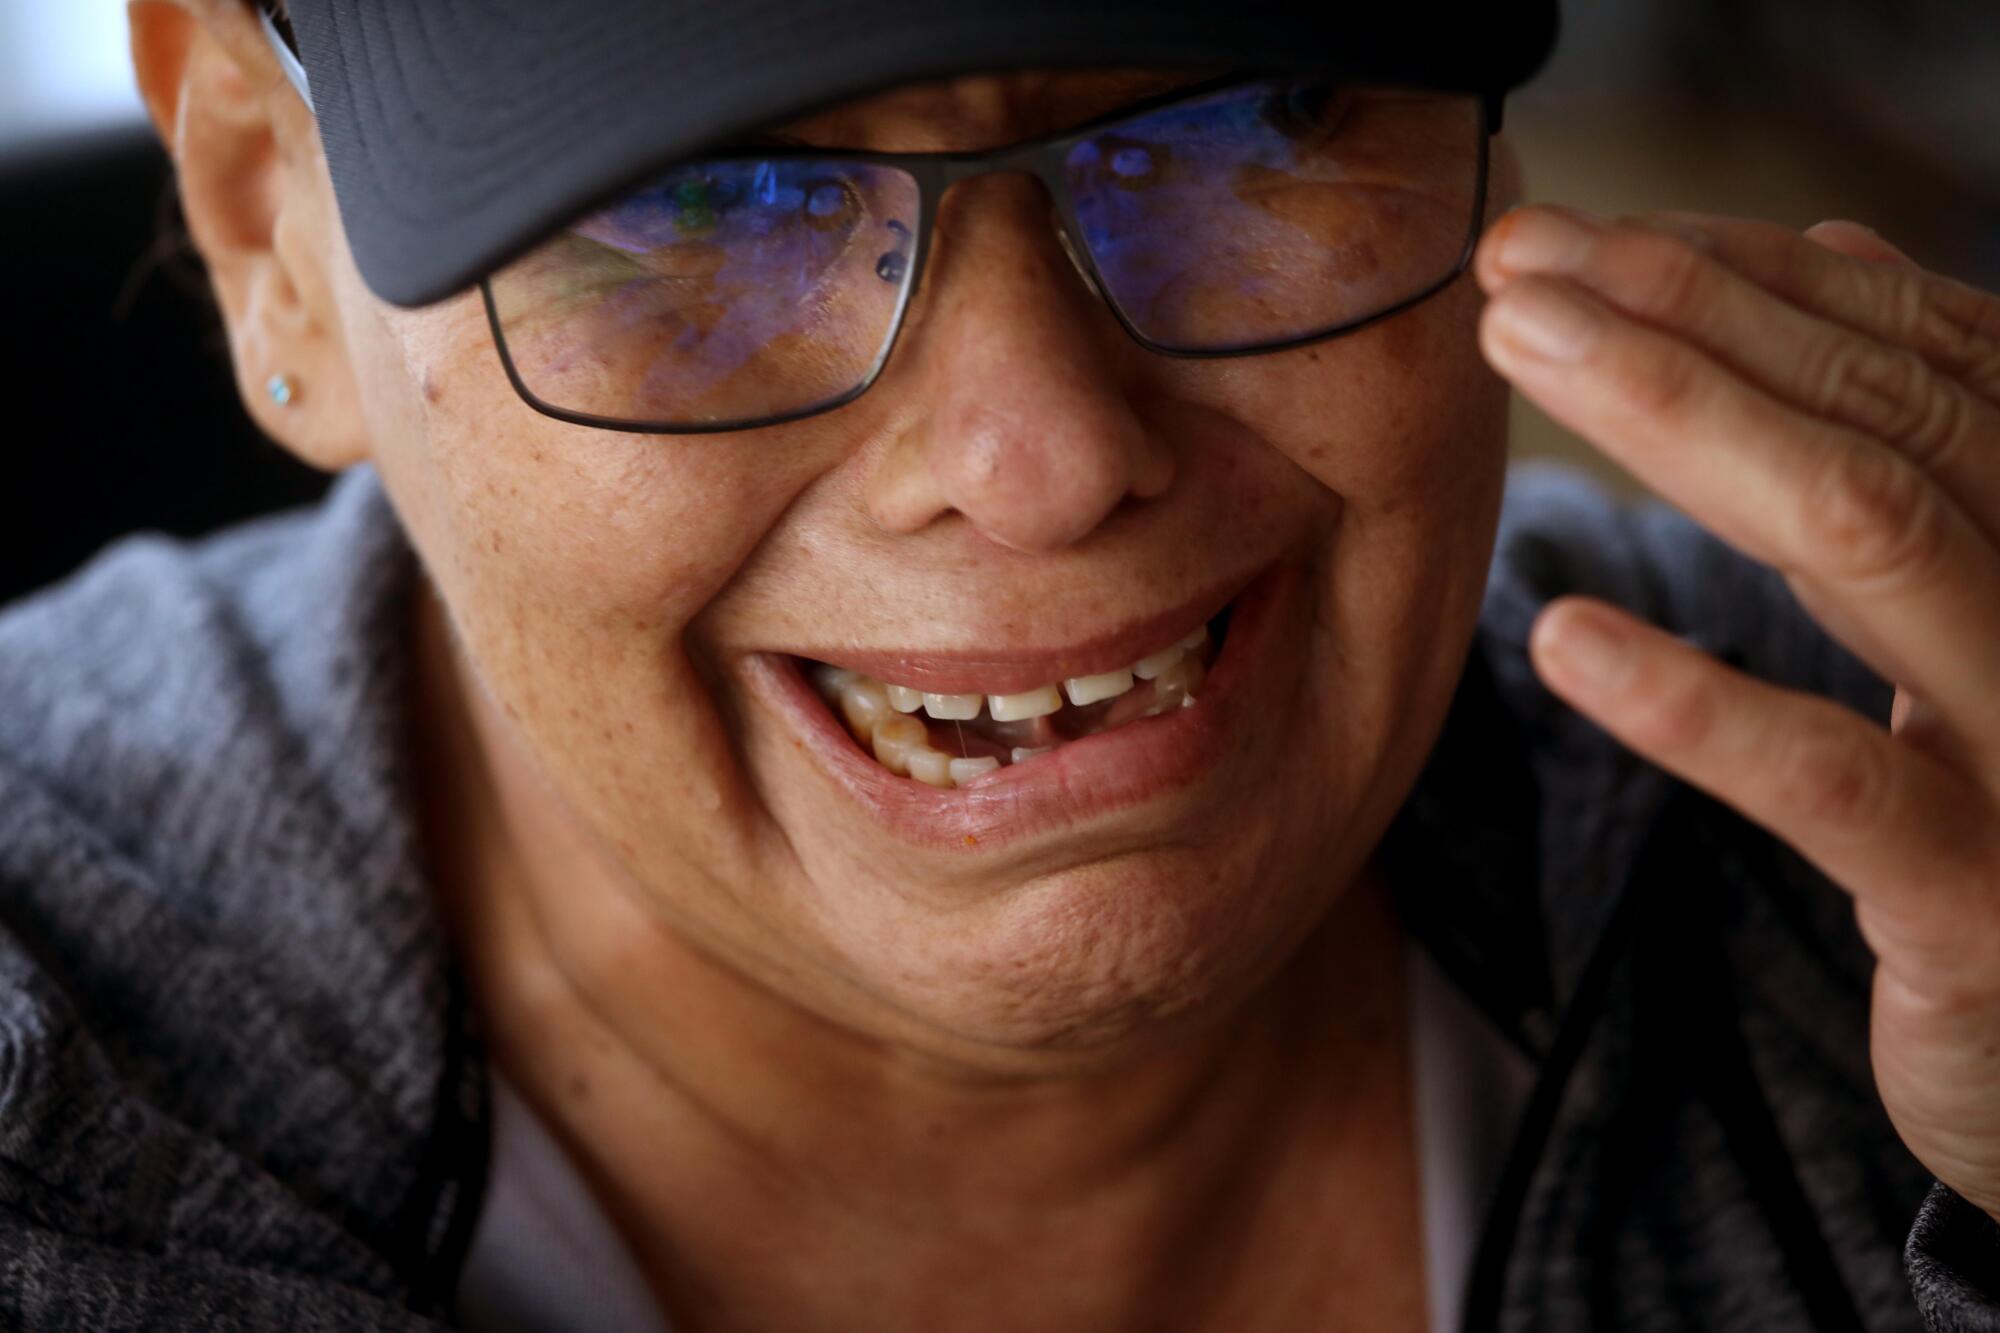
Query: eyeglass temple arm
{"type": "Point", "coordinates": [288, 59]}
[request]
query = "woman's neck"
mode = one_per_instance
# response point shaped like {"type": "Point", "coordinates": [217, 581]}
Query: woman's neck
{"type": "Point", "coordinates": [775, 1170]}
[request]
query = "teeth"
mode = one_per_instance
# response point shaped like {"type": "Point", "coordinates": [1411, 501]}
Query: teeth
{"type": "Point", "coordinates": [1021, 707]}
{"type": "Point", "coordinates": [965, 770]}
{"type": "Point", "coordinates": [1178, 685]}
{"type": "Point", "coordinates": [1086, 690]}
{"type": "Point", "coordinates": [896, 739]}
{"type": "Point", "coordinates": [1154, 666]}
{"type": "Point", "coordinates": [931, 767]}
{"type": "Point", "coordinates": [884, 715]}
{"type": "Point", "coordinates": [864, 703]}
{"type": "Point", "coordinates": [833, 679]}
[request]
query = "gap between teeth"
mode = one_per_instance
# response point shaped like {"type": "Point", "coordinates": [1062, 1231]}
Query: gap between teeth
{"type": "Point", "coordinates": [880, 714]}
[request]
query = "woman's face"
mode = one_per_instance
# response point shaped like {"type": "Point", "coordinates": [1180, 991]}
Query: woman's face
{"type": "Point", "coordinates": [1025, 497]}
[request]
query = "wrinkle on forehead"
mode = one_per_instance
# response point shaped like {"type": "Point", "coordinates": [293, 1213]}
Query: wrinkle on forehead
{"type": "Point", "coordinates": [981, 111]}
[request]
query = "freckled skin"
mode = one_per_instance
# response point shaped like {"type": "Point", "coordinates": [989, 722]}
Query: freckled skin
{"type": "Point", "coordinates": [594, 576]}
{"type": "Point", "coordinates": [678, 932]}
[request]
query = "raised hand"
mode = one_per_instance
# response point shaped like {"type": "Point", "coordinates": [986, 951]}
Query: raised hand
{"type": "Point", "coordinates": [1829, 408]}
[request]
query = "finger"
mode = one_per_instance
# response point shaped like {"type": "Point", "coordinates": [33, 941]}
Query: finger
{"type": "Point", "coordinates": [1857, 242]}
{"type": "Point", "coordinates": [1901, 711]}
{"type": "Point", "coordinates": [1917, 724]}
{"type": "Point", "coordinates": [1912, 841]}
{"type": "Point", "coordinates": [1886, 392]}
{"type": "Point", "coordinates": [1951, 324]}
{"type": "Point", "coordinates": [1887, 657]}
{"type": "Point", "coordinates": [1806, 496]}
{"type": "Point", "coordinates": [1913, 720]}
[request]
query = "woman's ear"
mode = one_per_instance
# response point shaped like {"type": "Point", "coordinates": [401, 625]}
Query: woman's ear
{"type": "Point", "coordinates": [253, 187]}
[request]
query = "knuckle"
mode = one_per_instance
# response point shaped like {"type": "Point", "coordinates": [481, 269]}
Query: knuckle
{"type": "Point", "coordinates": [1668, 386]}
{"type": "Point", "coordinates": [1672, 275]}
{"type": "Point", "coordinates": [1840, 384]}
{"type": "Point", "coordinates": [1800, 273]}
{"type": "Point", "coordinates": [1963, 325]}
{"type": "Point", "coordinates": [1937, 428]}
{"type": "Point", "coordinates": [1891, 393]}
{"type": "Point", "coordinates": [1674, 716]}
{"type": "Point", "coordinates": [1868, 514]}
{"type": "Point", "coordinates": [1829, 771]}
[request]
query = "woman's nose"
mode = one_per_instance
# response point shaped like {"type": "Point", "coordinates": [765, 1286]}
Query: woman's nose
{"type": "Point", "coordinates": [1025, 425]}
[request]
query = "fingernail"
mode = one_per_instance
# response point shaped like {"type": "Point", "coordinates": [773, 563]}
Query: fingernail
{"type": "Point", "coordinates": [1547, 321]}
{"type": "Point", "coordinates": [1828, 234]}
{"type": "Point", "coordinates": [1546, 240]}
{"type": "Point", "coordinates": [1589, 650]}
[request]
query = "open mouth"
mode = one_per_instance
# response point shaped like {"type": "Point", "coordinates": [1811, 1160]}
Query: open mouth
{"type": "Point", "coordinates": [1126, 750]}
{"type": "Point", "coordinates": [961, 740]}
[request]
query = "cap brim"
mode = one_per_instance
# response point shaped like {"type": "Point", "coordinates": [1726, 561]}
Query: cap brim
{"type": "Point", "coordinates": [460, 135]}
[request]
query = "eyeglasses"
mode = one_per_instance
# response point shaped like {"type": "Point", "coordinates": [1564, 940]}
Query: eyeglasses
{"type": "Point", "coordinates": [753, 288]}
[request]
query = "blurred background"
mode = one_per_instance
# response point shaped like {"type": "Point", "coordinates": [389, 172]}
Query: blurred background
{"type": "Point", "coordinates": [1794, 111]}
{"type": "Point", "coordinates": [124, 415]}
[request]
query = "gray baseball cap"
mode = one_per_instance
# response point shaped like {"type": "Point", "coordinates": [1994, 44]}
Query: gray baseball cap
{"type": "Point", "coordinates": [460, 133]}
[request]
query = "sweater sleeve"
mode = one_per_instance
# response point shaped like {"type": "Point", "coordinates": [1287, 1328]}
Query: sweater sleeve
{"type": "Point", "coordinates": [58, 1283]}
{"type": "Point", "coordinates": [239, 1085]}
{"type": "Point", "coordinates": [1660, 564]}
{"type": "Point", "coordinates": [1954, 1263]}
{"type": "Point", "coordinates": [1952, 1255]}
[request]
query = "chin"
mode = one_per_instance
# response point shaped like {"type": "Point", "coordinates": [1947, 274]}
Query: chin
{"type": "Point", "coordinates": [1102, 959]}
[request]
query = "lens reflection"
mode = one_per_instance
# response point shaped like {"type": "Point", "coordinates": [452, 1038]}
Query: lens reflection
{"type": "Point", "coordinates": [1276, 211]}
{"type": "Point", "coordinates": [728, 291]}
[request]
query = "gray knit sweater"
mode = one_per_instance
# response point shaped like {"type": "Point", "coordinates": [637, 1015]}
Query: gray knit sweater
{"type": "Point", "coordinates": [240, 1090]}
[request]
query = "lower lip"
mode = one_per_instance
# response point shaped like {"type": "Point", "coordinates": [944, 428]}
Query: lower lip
{"type": "Point", "coordinates": [1082, 780]}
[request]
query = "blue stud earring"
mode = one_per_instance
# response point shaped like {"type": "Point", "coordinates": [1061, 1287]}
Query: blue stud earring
{"type": "Point", "coordinates": [280, 390]}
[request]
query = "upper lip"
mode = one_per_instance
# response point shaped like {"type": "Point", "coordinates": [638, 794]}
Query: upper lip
{"type": "Point", "coordinates": [1011, 671]}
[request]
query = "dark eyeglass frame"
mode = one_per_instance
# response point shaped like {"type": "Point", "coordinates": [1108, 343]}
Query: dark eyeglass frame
{"type": "Point", "coordinates": [1045, 159]}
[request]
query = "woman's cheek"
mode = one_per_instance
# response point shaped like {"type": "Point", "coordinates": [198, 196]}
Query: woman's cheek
{"type": "Point", "coordinates": [571, 562]}
{"type": "Point", "coordinates": [1381, 416]}
{"type": "Point", "coordinates": [600, 533]}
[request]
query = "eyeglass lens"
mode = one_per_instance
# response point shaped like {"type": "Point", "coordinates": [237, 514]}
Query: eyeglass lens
{"type": "Point", "coordinates": [1267, 214]}
{"type": "Point", "coordinates": [728, 291]}
{"type": "Point", "coordinates": [740, 290]}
